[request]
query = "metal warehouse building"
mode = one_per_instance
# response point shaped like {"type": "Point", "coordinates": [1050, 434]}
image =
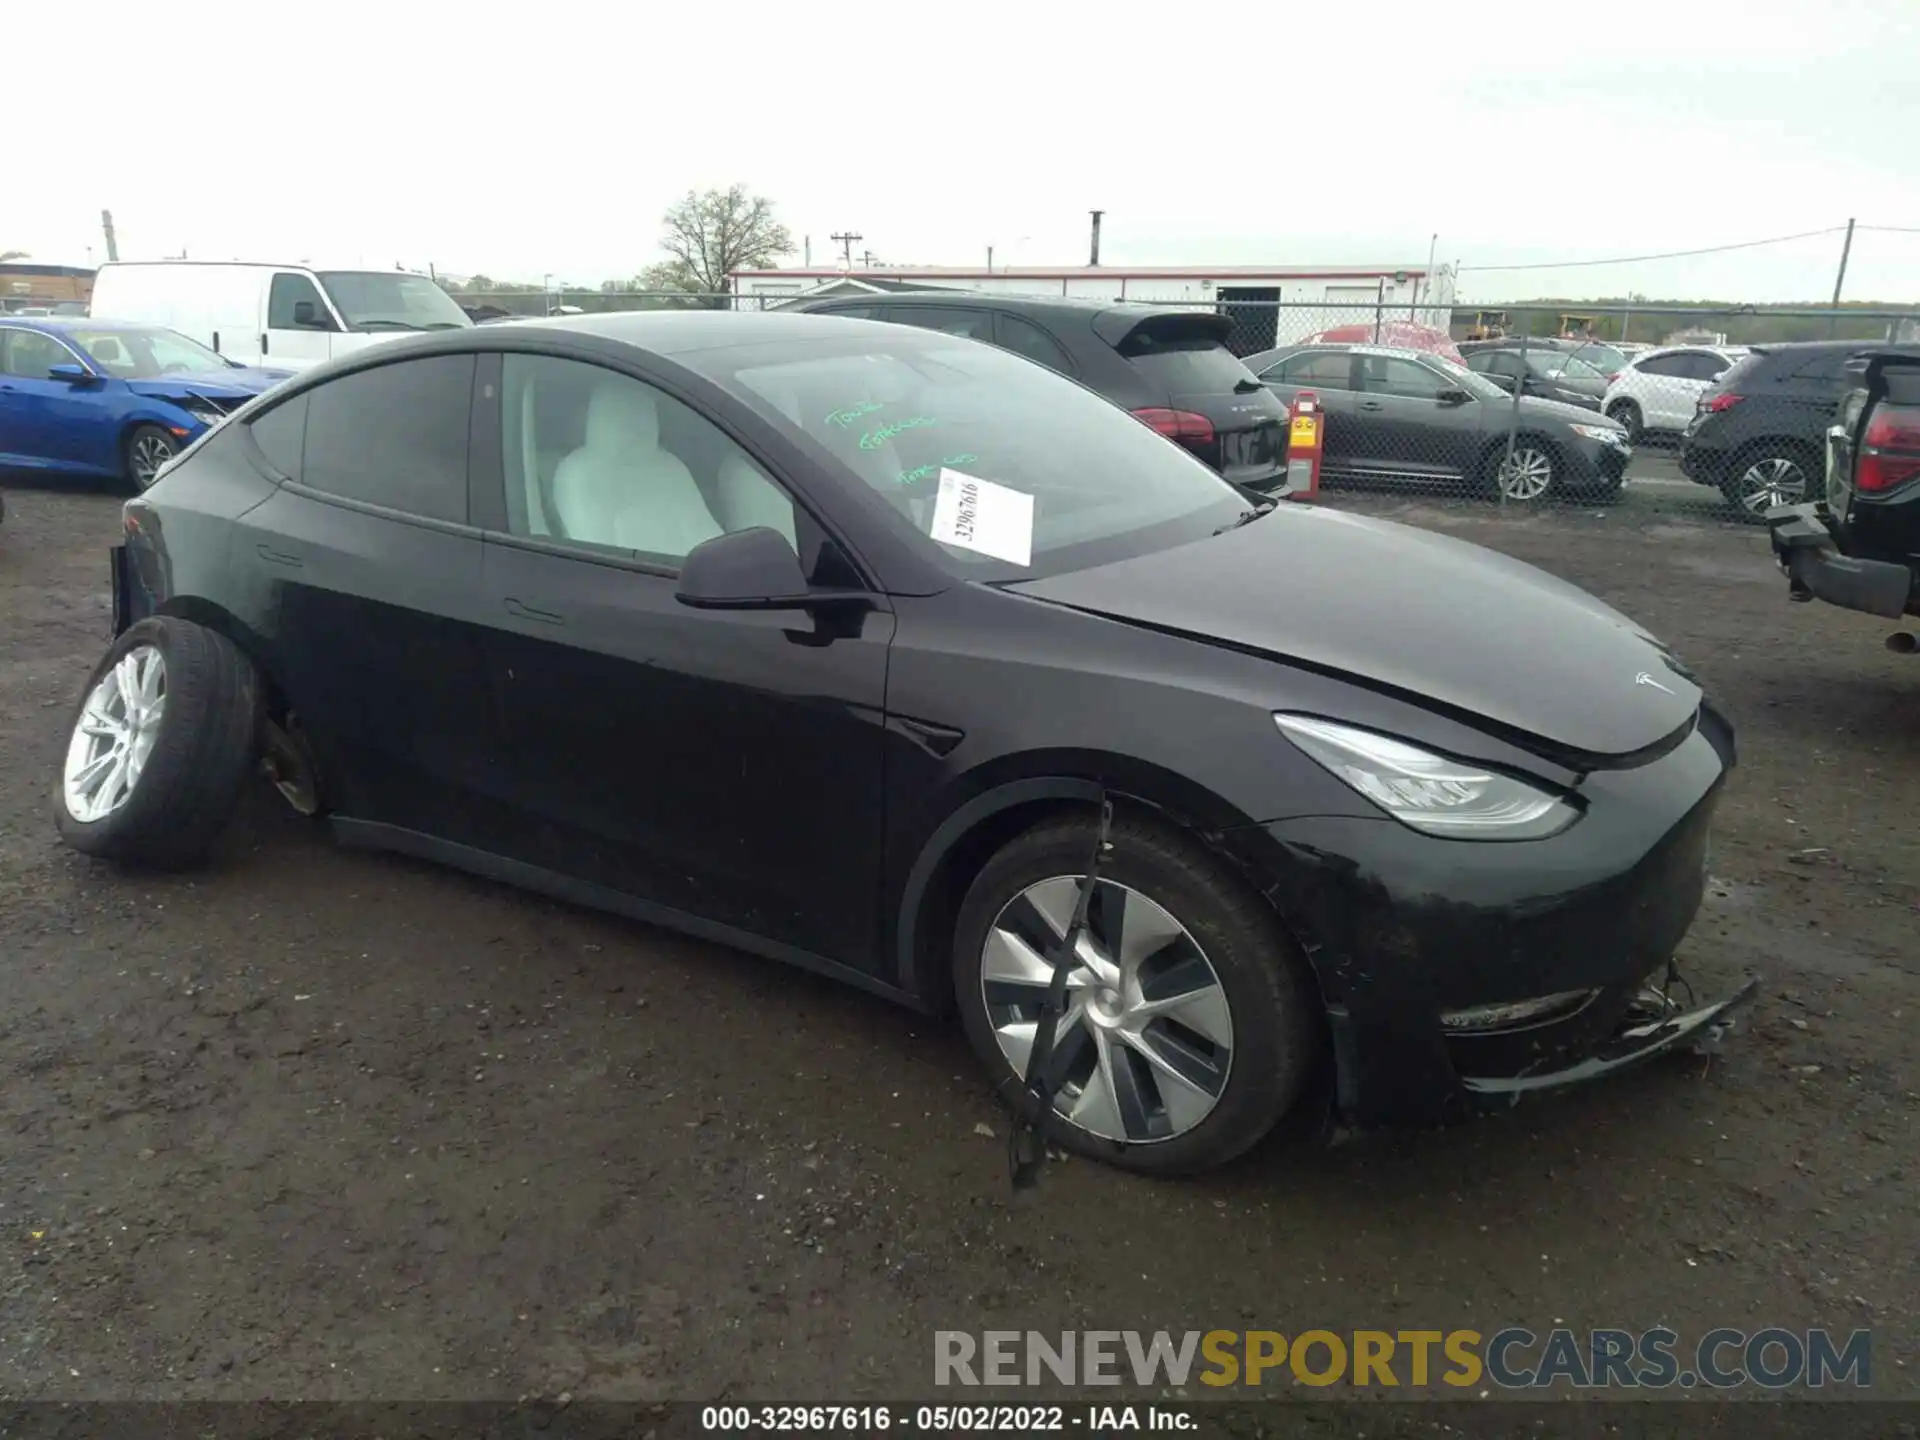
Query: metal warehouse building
{"type": "Point", "coordinates": [1269, 304]}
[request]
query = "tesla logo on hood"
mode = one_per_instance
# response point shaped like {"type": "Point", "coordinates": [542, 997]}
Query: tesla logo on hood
{"type": "Point", "coordinates": [1643, 678]}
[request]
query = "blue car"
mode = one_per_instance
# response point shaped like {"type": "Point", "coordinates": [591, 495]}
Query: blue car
{"type": "Point", "coordinates": [108, 400]}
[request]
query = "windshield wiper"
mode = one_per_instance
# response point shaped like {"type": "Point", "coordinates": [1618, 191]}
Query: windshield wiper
{"type": "Point", "coordinates": [1247, 386]}
{"type": "Point", "coordinates": [1247, 517]}
{"type": "Point", "coordinates": [391, 324]}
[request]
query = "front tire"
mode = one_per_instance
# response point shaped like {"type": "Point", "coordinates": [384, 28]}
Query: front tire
{"type": "Point", "coordinates": [163, 739]}
{"type": "Point", "coordinates": [1628, 415]}
{"type": "Point", "coordinates": [146, 449]}
{"type": "Point", "coordinates": [1524, 476]}
{"type": "Point", "coordinates": [1192, 1022]}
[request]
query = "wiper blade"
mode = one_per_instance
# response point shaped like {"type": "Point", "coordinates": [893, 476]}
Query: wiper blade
{"type": "Point", "coordinates": [387, 324]}
{"type": "Point", "coordinates": [1247, 386]}
{"type": "Point", "coordinates": [1246, 517]}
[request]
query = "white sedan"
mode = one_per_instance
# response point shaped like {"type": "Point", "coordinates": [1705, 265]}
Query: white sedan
{"type": "Point", "coordinates": [1657, 390]}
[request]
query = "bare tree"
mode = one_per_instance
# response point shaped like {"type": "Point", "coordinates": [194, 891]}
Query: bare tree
{"type": "Point", "coordinates": [6, 255]}
{"type": "Point", "coordinates": [709, 236]}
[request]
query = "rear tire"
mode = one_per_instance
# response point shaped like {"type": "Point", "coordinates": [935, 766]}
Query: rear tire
{"type": "Point", "coordinates": [1771, 472]}
{"type": "Point", "coordinates": [183, 734]}
{"type": "Point", "coordinates": [145, 450]}
{"type": "Point", "coordinates": [1210, 1030]}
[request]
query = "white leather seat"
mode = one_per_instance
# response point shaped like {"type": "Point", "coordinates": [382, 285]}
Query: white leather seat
{"type": "Point", "coordinates": [620, 488]}
{"type": "Point", "coordinates": [746, 499]}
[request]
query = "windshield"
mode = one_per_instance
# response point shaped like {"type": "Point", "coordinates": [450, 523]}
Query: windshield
{"type": "Point", "coordinates": [1071, 478]}
{"type": "Point", "coordinates": [392, 300]}
{"type": "Point", "coordinates": [1604, 359]}
{"type": "Point", "coordinates": [128, 354]}
{"type": "Point", "coordinates": [1557, 366]}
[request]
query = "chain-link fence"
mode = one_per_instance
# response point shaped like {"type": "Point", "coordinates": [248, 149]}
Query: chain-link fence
{"type": "Point", "coordinates": [1720, 410]}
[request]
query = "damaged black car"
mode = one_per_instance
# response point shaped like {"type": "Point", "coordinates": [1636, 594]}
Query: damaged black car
{"type": "Point", "coordinates": [893, 655]}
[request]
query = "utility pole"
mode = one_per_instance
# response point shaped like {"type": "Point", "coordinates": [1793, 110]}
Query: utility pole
{"type": "Point", "coordinates": [106, 226]}
{"type": "Point", "coordinates": [845, 239]}
{"type": "Point", "coordinates": [1094, 258]}
{"type": "Point", "coordinates": [1846, 249]}
{"type": "Point", "coordinates": [868, 259]}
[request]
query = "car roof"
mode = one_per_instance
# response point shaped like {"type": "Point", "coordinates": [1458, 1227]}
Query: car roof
{"type": "Point", "coordinates": [674, 332]}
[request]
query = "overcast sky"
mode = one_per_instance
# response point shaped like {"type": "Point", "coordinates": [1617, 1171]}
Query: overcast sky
{"type": "Point", "coordinates": [1241, 133]}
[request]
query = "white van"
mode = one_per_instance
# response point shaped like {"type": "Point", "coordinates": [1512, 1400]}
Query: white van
{"type": "Point", "coordinates": [284, 316]}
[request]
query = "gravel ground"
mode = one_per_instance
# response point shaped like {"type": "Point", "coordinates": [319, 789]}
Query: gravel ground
{"type": "Point", "coordinates": [322, 1125]}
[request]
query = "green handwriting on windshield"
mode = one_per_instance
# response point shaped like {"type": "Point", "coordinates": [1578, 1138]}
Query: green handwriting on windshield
{"type": "Point", "coordinates": [846, 417]}
{"type": "Point", "coordinates": [874, 439]}
{"type": "Point", "coordinates": [921, 472]}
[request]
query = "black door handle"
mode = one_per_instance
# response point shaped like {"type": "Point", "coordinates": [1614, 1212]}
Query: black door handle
{"type": "Point", "coordinates": [1371, 405]}
{"type": "Point", "coordinates": [279, 557]}
{"type": "Point", "coordinates": [533, 612]}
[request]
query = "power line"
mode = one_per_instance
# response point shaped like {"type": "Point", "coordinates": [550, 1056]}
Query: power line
{"type": "Point", "coordinates": [1894, 229]}
{"type": "Point", "coordinates": [1669, 255]}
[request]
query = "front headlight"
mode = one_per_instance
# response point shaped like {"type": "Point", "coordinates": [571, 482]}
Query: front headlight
{"type": "Point", "coordinates": [1605, 434]}
{"type": "Point", "coordinates": [209, 418]}
{"type": "Point", "coordinates": [1430, 792]}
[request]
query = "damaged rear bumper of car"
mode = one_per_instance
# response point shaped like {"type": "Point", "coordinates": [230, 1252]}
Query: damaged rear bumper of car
{"type": "Point", "coordinates": [1450, 988]}
{"type": "Point", "coordinates": [1817, 570]}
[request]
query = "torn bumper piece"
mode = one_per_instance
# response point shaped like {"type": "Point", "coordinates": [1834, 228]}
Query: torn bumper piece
{"type": "Point", "coordinates": [1636, 1041]}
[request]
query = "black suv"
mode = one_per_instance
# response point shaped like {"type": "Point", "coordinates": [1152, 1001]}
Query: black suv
{"type": "Point", "coordinates": [1859, 548]}
{"type": "Point", "coordinates": [1171, 368]}
{"type": "Point", "coordinates": [1759, 433]}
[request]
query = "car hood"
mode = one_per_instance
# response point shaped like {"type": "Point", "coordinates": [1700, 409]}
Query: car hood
{"type": "Point", "coordinates": [1562, 410]}
{"type": "Point", "coordinates": [1456, 626]}
{"type": "Point", "coordinates": [214, 384]}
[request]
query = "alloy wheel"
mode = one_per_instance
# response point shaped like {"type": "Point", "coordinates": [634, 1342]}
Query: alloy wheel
{"type": "Point", "coordinates": [1766, 483]}
{"type": "Point", "coordinates": [1145, 1044]}
{"type": "Point", "coordinates": [149, 453]}
{"type": "Point", "coordinates": [1526, 473]}
{"type": "Point", "coordinates": [114, 735]}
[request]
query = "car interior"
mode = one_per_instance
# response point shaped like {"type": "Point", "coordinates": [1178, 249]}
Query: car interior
{"type": "Point", "coordinates": [607, 460]}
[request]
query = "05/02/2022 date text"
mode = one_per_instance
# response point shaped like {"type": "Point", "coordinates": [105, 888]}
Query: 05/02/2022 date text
{"type": "Point", "coordinates": [985, 1419]}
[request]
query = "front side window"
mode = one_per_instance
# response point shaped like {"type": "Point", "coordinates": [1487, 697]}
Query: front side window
{"type": "Point", "coordinates": [603, 460]}
{"type": "Point", "coordinates": [1390, 375]}
{"type": "Point", "coordinates": [294, 303]}
{"type": "Point", "coordinates": [394, 436]}
{"type": "Point", "coordinates": [895, 409]}
{"type": "Point", "coordinates": [29, 354]}
{"type": "Point", "coordinates": [129, 354]}
{"type": "Point", "coordinates": [392, 300]}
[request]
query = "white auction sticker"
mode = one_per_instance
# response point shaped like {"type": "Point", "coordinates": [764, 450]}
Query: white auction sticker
{"type": "Point", "coordinates": [977, 514]}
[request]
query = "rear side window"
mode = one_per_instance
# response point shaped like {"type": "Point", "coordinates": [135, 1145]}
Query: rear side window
{"type": "Point", "coordinates": [973, 324]}
{"type": "Point", "coordinates": [394, 436]}
{"type": "Point", "coordinates": [1678, 367]}
{"type": "Point", "coordinates": [1826, 365]}
{"type": "Point", "coordinates": [1324, 370]}
{"type": "Point", "coordinates": [280, 434]}
{"type": "Point", "coordinates": [1024, 338]}
{"type": "Point", "coordinates": [1186, 366]}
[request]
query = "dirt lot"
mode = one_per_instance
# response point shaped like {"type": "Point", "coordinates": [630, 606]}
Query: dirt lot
{"type": "Point", "coordinates": [324, 1125]}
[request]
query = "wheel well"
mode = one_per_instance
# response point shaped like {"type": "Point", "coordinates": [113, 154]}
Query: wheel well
{"type": "Point", "coordinates": [213, 617]}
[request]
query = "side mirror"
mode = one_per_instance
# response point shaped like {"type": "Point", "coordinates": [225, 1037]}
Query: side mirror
{"type": "Point", "coordinates": [744, 570]}
{"type": "Point", "coordinates": [72, 374]}
{"type": "Point", "coordinates": [1453, 396]}
{"type": "Point", "coordinates": [307, 317]}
